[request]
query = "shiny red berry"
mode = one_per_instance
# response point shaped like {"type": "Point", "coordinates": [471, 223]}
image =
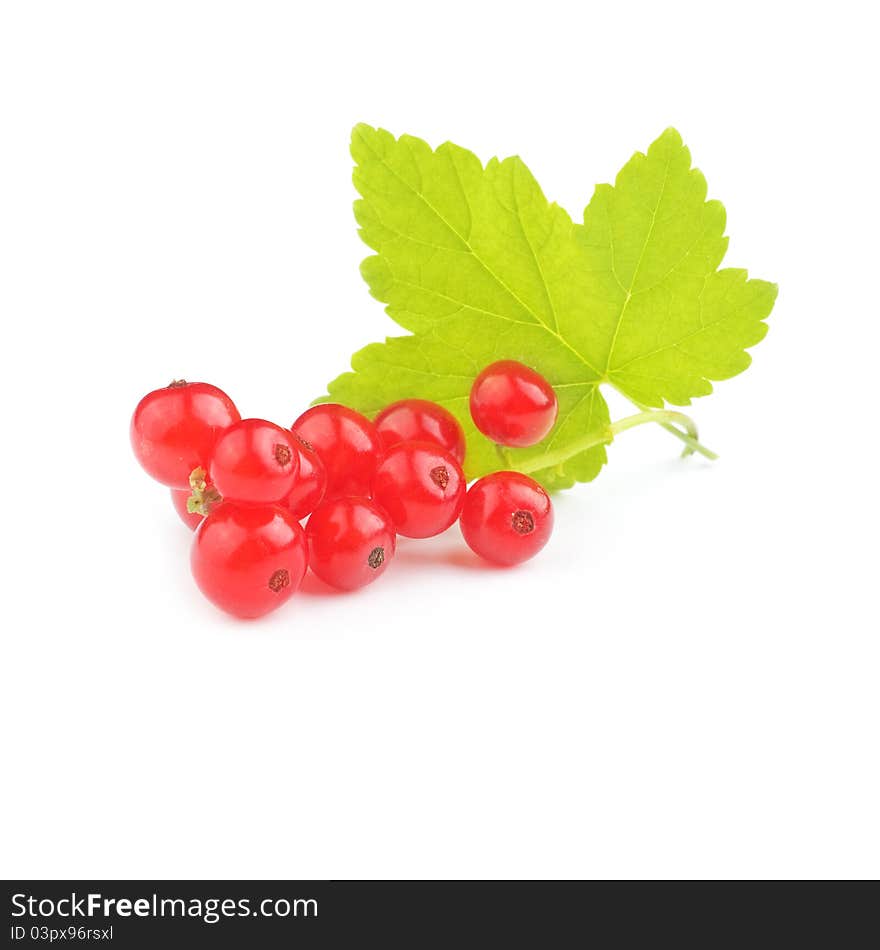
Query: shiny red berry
{"type": "Point", "coordinates": [351, 541]}
{"type": "Point", "coordinates": [421, 486]}
{"type": "Point", "coordinates": [417, 420]}
{"type": "Point", "coordinates": [308, 492]}
{"type": "Point", "coordinates": [512, 404]}
{"type": "Point", "coordinates": [173, 430]}
{"type": "Point", "coordinates": [179, 499]}
{"type": "Point", "coordinates": [249, 560]}
{"type": "Point", "coordinates": [348, 445]}
{"type": "Point", "coordinates": [507, 518]}
{"type": "Point", "coordinates": [255, 462]}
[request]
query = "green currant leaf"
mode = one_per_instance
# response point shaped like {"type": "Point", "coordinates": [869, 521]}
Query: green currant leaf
{"type": "Point", "coordinates": [663, 320]}
{"type": "Point", "coordinates": [479, 266]}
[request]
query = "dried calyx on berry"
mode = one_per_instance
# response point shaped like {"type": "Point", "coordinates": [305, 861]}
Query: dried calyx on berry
{"type": "Point", "coordinates": [204, 497]}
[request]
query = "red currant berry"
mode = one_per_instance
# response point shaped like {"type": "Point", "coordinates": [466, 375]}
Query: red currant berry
{"type": "Point", "coordinates": [351, 541]}
{"type": "Point", "coordinates": [308, 491]}
{"type": "Point", "coordinates": [507, 518]}
{"type": "Point", "coordinates": [179, 499]}
{"type": "Point", "coordinates": [249, 560]}
{"type": "Point", "coordinates": [347, 443]}
{"type": "Point", "coordinates": [417, 420]}
{"type": "Point", "coordinates": [173, 430]}
{"type": "Point", "coordinates": [255, 462]}
{"type": "Point", "coordinates": [421, 486]}
{"type": "Point", "coordinates": [512, 404]}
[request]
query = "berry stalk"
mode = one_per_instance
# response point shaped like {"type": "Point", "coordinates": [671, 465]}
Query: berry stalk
{"type": "Point", "coordinates": [691, 442]}
{"type": "Point", "coordinates": [665, 417]}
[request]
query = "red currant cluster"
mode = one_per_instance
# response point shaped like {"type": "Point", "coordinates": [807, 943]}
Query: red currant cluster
{"type": "Point", "coordinates": [244, 485]}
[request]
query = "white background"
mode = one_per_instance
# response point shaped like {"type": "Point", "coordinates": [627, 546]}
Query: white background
{"type": "Point", "coordinates": [683, 684]}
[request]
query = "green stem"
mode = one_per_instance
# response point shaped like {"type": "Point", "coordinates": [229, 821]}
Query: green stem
{"type": "Point", "coordinates": [691, 442]}
{"type": "Point", "coordinates": [504, 455]}
{"type": "Point", "coordinates": [664, 417]}
{"type": "Point", "coordinates": [660, 416]}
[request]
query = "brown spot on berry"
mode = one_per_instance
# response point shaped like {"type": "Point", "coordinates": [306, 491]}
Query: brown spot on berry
{"type": "Point", "coordinates": [177, 383]}
{"type": "Point", "coordinates": [523, 522]}
{"type": "Point", "coordinates": [440, 477]}
{"type": "Point", "coordinates": [282, 453]}
{"type": "Point", "coordinates": [279, 580]}
{"type": "Point", "coordinates": [376, 558]}
{"type": "Point", "coordinates": [304, 442]}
